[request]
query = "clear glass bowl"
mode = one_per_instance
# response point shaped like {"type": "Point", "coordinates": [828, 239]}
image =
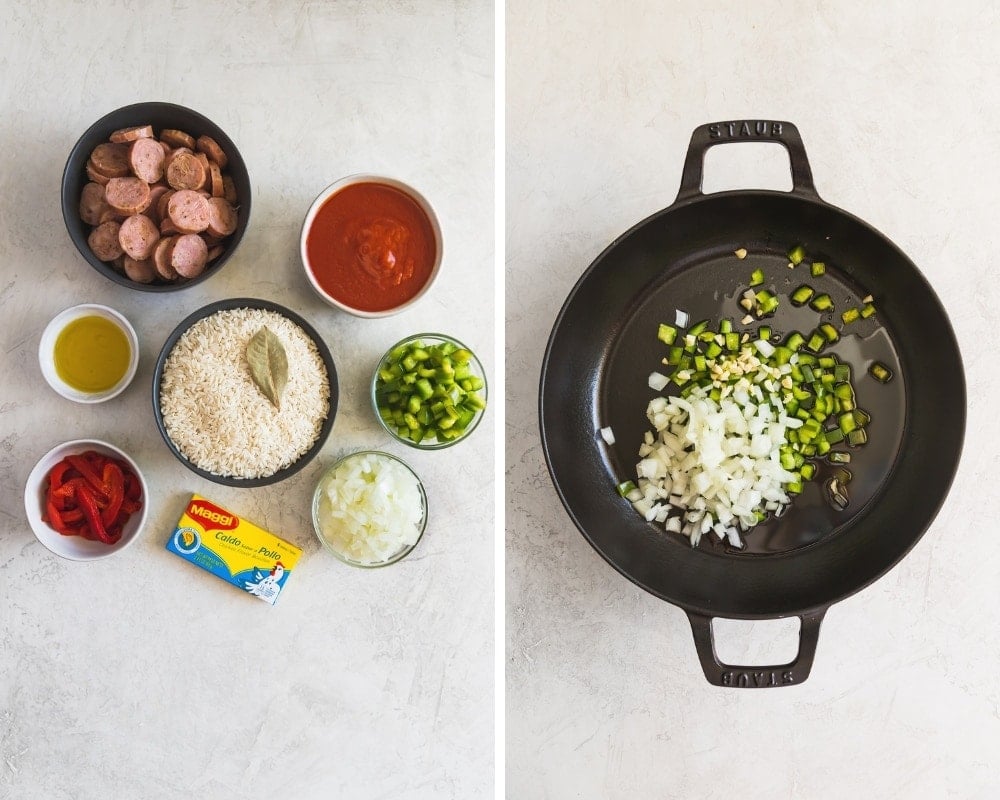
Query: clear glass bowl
{"type": "Point", "coordinates": [318, 528]}
{"type": "Point", "coordinates": [476, 368]}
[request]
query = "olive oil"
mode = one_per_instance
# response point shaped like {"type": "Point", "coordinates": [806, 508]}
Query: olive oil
{"type": "Point", "coordinates": [91, 354]}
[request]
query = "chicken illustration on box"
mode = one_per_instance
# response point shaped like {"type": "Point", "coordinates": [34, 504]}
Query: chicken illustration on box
{"type": "Point", "coordinates": [267, 585]}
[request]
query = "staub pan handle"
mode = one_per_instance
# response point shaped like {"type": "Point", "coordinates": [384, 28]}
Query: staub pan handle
{"type": "Point", "coordinates": [719, 674]}
{"type": "Point", "coordinates": [745, 130]}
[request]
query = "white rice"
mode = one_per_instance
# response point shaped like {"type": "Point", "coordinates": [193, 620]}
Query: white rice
{"type": "Point", "coordinates": [215, 414]}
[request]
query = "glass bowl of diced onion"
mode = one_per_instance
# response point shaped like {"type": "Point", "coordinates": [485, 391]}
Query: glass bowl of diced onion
{"type": "Point", "coordinates": [429, 391]}
{"type": "Point", "coordinates": [369, 509]}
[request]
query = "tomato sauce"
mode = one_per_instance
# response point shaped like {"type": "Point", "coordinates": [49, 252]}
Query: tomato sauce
{"type": "Point", "coordinates": [371, 247]}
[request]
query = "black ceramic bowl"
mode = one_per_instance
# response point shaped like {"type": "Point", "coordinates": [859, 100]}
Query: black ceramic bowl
{"type": "Point", "coordinates": [159, 115]}
{"type": "Point", "coordinates": [324, 352]}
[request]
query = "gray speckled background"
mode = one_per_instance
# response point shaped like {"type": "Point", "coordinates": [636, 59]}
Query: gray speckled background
{"type": "Point", "coordinates": [897, 104]}
{"type": "Point", "coordinates": [142, 676]}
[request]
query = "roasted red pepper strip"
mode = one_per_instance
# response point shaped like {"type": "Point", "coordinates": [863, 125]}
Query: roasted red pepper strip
{"type": "Point", "coordinates": [68, 490]}
{"type": "Point", "coordinates": [57, 475]}
{"type": "Point", "coordinates": [114, 488]}
{"type": "Point", "coordinates": [84, 466]}
{"type": "Point", "coordinates": [85, 496]}
{"type": "Point", "coordinates": [72, 518]}
{"type": "Point", "coordinates": [130, 506]}
{"type": "Point", "coordinates": [54, 518]}
{"type": "Point", "coordinates": [133, 489]}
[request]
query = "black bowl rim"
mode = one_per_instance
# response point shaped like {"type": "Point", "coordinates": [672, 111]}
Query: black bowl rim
{"type": "Point", "coordinates": [324, 352]}
{"type": "Point", "coordinates": [75, 162]}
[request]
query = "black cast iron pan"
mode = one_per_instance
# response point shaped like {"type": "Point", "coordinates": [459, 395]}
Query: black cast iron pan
{"type": "Point", "coordinates": [603, 346]}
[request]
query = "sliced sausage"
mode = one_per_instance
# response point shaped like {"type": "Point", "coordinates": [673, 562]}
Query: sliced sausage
{"type": "Point", "coordinates": [161, 258]}
{"type": "Point", "coordinates": [110, 160]}
{"type": "Point", "coordinates": [127, 195]}
{"type": "Point", "coordinates": [215, 180]}
{"type": "Point", "coordinates": [189, 255]}
{"type": "Point", "coordinates": [185, 171]}
{"type": "Point", "coordinates": [189, 211]}
{"type": "Point", "coordinates": [131, 134]}
{"type": "Point", "coordinates": [138, 236]}
{"type": "Point", "coordinates": [146, 157]}
{"type": "Point", "coordinates": [210, 147]}
{"type": "Point", "coordinates": [174, 152]}
{"type": "Point", "coordinates": [229, 189]}
{"type": "Point", "coordinates": [92, 203]}
{"type": "Point", "coordinates": [103, 241]}
{"type": "Point", "coordinates": [221, 218]}
{"type": "Point", "coordinates": [160, 207]}
{"type": "Point", "coordinates": [139, 271]}
{"type": "Point", "coordinates": [207, 184]}
{"type": "Point", "coordinates": [110, 215]}
{"type": "Point", "coordinates": [153, 209]}
{"type": "Point", "coordinates": [94, 175]}
{"type": "Point", "coordinates": [161, 204]}
{"type": "Point", "coordinates": [177, 138]}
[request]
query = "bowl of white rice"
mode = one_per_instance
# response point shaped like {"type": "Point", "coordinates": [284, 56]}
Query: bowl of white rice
{"type": "Point", "coordinates": [369, 509]}
{"type": "Point", "coordinates": [212, 409]}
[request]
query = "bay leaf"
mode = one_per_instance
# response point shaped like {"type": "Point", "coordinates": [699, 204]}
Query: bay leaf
{"type": "Point", "coordinates": [268, 364]}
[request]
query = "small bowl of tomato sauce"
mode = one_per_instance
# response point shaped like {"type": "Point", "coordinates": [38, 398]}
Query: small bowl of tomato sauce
{"type": "Point", "coordinates": [371, 245]}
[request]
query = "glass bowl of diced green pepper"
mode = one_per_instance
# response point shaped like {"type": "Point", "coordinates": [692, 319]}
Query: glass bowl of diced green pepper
{"type": "Point", "coordinates": [429, 391]}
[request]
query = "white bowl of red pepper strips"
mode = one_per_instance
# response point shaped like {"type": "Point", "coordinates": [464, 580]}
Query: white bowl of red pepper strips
{"type": "Point", "coordinates": [86, 500]}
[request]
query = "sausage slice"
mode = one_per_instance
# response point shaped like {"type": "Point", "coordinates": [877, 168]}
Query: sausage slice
{"type": "Point", "coordinates": [221, 217]}
{"type": "Point", "coordinates": [92, 203]}
{"type": "Point", "coordinates": [210, 147]}
{"type": "Point", "coordinates": [95, 176]}
{"type": "Point", "coordinates": [110, 160]}
{"type": "Point", "coordinates": [185, 171]}
{"type": "Point", "coordinates": [229, 189]}
{"type": "Point", "coordinates": [131, 134]}
{"type": "Point", "coordinates": [216, 186]}
{"type": "Point", "coordinates": [189, 255]}
{"type": "Point", "coordinates": [138, 236]}
{"type": "Point", "coordinates": [139, 271]}
{"type": "Point", "coordinates": [153, 209]}
{"type": "Point", "coordinates": [177, 138]}
{"type": "Point", "coordinates": [189, 211]}
{"type": "Point", "coordinates": [161, 258]}
{"type": "Point", "coordinates": [145, 157]}
{"type": "Point", "coordinates": [127, 195]}
{"type": "Point", "coordinates": [103, 241]}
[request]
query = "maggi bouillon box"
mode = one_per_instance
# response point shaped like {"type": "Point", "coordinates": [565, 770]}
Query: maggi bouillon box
{"type": "Point", "coordinates": [233, 549]}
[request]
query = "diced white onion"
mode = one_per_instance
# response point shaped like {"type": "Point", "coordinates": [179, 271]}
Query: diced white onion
{"type": "Point", "coordinates": [370, 508]}
{"type": "Point", "coordinates": [608, 435]}
{"type": "Point", "coordinates": [765, 348]}
{"type": "Point", "coordinates": [657, 381]}
{"type": "Point", "coordinates": [714, 463]}
{"type": "Point", "coordinates": [681, 318]}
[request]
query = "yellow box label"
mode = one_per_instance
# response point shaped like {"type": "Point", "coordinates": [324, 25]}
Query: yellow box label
{"type": "Point", "coordinates": [233, 549]}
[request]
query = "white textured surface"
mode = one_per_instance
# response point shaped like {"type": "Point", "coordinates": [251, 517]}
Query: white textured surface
{"type": "Point", "coordinates": [142, 676]}
{"type": "Point", "coordinates": [897, 105]}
